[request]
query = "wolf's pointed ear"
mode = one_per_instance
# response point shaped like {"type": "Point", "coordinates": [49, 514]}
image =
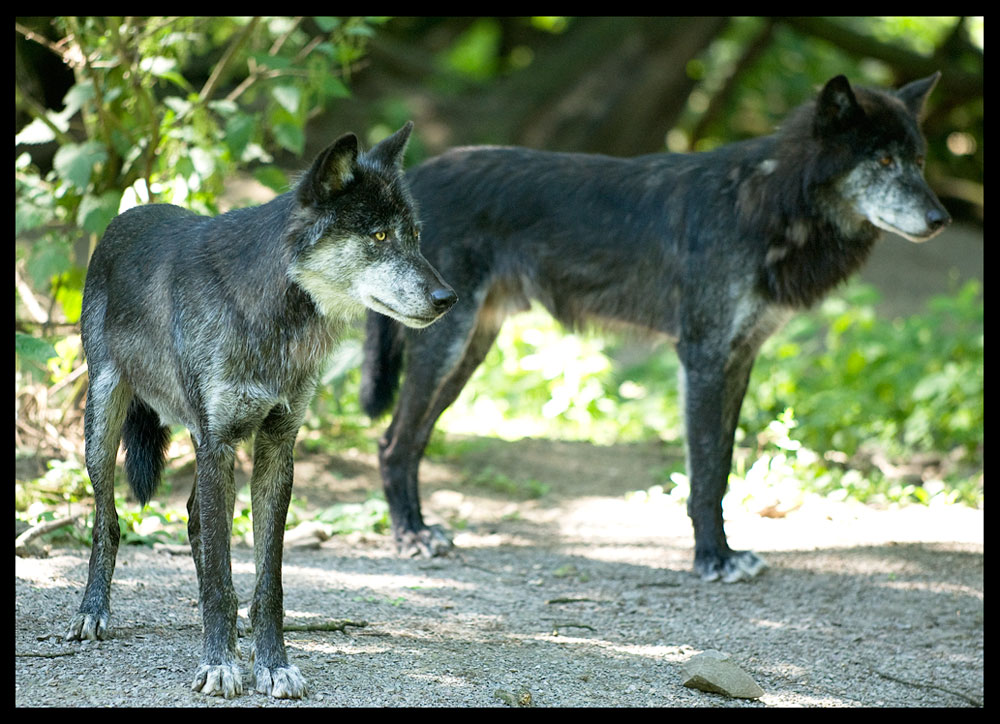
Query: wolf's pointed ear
{"type": "Point", "coordinates": [837, 108]}
{"type": "Point", "coordinates": [332, 170]}
{"type": "Point", "coordinates": [914, 94]}
{"type": "Point", "coordinates": [389, 152]}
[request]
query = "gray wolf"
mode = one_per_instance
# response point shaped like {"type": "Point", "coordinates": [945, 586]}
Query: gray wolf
{"type": "Point", "coordinates": [222, 324]}
{"type": "Point", "coordinates": [714, 250]}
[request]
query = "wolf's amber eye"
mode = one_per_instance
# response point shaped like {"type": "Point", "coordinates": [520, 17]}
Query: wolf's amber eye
{"type": "Point", "coordinates": [379, 236]}
{"type": "Point", "coordinates": [885, 161]}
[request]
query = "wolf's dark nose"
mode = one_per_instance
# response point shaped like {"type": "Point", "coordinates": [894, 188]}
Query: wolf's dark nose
{"type": "Point", "coordinates": [443, 298]}
{"type": "Point", "coordinates": [937, 217]}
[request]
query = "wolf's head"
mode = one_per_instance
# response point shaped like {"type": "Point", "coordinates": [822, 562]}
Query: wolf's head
{"type": "Point", "coordinates": [876, 136]}
{"type": "Point", "coordinates": [357, 236]}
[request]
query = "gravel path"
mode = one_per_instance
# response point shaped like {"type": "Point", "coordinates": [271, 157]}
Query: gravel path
{"type": "Point", "coordinates": [572, 600]}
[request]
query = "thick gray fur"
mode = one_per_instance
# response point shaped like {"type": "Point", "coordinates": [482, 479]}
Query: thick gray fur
{"type": "Point", "coordinates": [714, 250]}
{"type": "Point", "coordinates": [222, 325]}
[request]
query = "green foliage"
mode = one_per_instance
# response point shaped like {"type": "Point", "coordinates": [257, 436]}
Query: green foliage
{"type": "Point", "coordinates": [161, 110]}
{"type": "Point", "coordinates": [922, 35]}
{"type": "Point", "coordinates": [479, 54]}
{"type": "Point", "coordinates": [66, 483]}
{"type": "Point", "coordinates": [913, 384]}
{"type": "Point", "coordinates": [369, 516]}
{"type": "Point", "coordinates": [537, 373]}
{"type": "Point", "coordinates": [32, 349]}
{"type": "Point", "coordinates": [156, 129]}
{"type": "Point", "coordinates": [147, 525]}
{"type": "Point", "coordinates": [475, 54]}
{"type": "Point", "coordinates": [833, 385]}
{"type": "Point", "coordinates": [871, 387]}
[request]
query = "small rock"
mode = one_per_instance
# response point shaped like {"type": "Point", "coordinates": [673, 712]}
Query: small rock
{"type": "Point", "coordinates": [712, 671]}
{"type": "Point", "coordinates": [520, 698]}
{"type": "Point", "coordinates": [308, 534]}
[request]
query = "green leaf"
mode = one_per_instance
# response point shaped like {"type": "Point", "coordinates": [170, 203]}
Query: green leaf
{"type": "Point", "coordinates": [275, 62]}
{"type": "Point", "coordinates": [203, 163]}
{"type": "Point", "coordinates": [49, 258]}
{"type": "Point", "coordinates": [360, 30]}
{"type": "Point", "coordinates": [177, 79]}
{"type": "Point", "coordinates": [476, 51]}
{"type": "Point", "coordinates": [180, 106]}
{"type": "Point", "coordinates": [239, 131]}
{"type": "Point", "coordinates": [272, 177]}
{"type": "Point", "coordinates": [75, 162]}
{"type": "Point", "coordinates": [36, 132]}
{"type": "Point", "coordinates": [855, 362]}
{"type": "Point", "coordinates": [335, 88]}
{"type": "Point", "coordinates": [224, 107]}
{"type": "Point", "coordinates": [33, 349]}
{"type": "Point", "coordinates": [39, 132]}
{"type": "Point", "coordinates": [29, 214]}
{"type": "Point", "coordinates": [326, 23]}
{"type": "Point", "coordinates": [289, 136]}
{"type": "Point", "coordinates": [288, 96]}
{"type": "Point", "coordinates": [158, 65]}
{"type": "Point", "coordinates": [372, 515]}
{"type": "Point", "coordinates": [70, 294]}
{"type": "Point", "coordinates": [96, 212]}
{"type": "Point", "coordinates": [77, 96]}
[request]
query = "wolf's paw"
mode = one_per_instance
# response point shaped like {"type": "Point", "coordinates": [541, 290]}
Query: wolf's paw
{"type": "Point", "coordinates": [88, 626]}
{"type": "Point", "coordinates": [736, 566]}
{"type": "Point", "coordinates": [425, 543]}
{"type": "Point", "coordinates": [281, 682]}
{"type": "Point", "coordinates": [224, 680]}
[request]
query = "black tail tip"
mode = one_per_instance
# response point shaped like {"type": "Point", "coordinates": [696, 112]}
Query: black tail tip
{"type": "Point", "coordinates": [145, 441]}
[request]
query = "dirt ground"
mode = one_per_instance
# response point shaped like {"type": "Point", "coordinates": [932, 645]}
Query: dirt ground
{"type": "Point", "coordinates": [582, 597]}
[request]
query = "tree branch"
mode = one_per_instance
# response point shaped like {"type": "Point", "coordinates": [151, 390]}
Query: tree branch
{"type": "Point", "coordinates": [213, 80]}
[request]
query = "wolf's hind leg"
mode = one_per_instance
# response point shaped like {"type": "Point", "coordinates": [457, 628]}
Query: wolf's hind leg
{"type": "Point", "coordinates": [107, 402]}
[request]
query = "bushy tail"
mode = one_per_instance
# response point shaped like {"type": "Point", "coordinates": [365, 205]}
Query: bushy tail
{"type": "Point", "coordinates": [145, 441]}
{"type": "Point", "coordinates": [381, 364]}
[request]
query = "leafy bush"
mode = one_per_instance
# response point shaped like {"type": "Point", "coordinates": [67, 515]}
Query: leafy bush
{"type": "Point", "coordinates": [160, 109]}
{"type": "Point", "coordinates": [910, 384]}
{"type": "Point", "coordinates": [833, 384]}
{"type": "Point", "coordinates": [142, 123]}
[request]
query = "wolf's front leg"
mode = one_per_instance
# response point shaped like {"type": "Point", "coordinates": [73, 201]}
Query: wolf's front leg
{"type": "Point", "coordinates": [271, 490]}
{"type": "Point", "coordinates": [713, 388]}
{"type": "Point", "coordinates": [219, 673]}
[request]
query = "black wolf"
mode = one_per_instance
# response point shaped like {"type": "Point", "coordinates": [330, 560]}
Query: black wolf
{"type": "Point", "coordinates": [713, 249]}
{"type": "Point", "coordinates": [222, 324]}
